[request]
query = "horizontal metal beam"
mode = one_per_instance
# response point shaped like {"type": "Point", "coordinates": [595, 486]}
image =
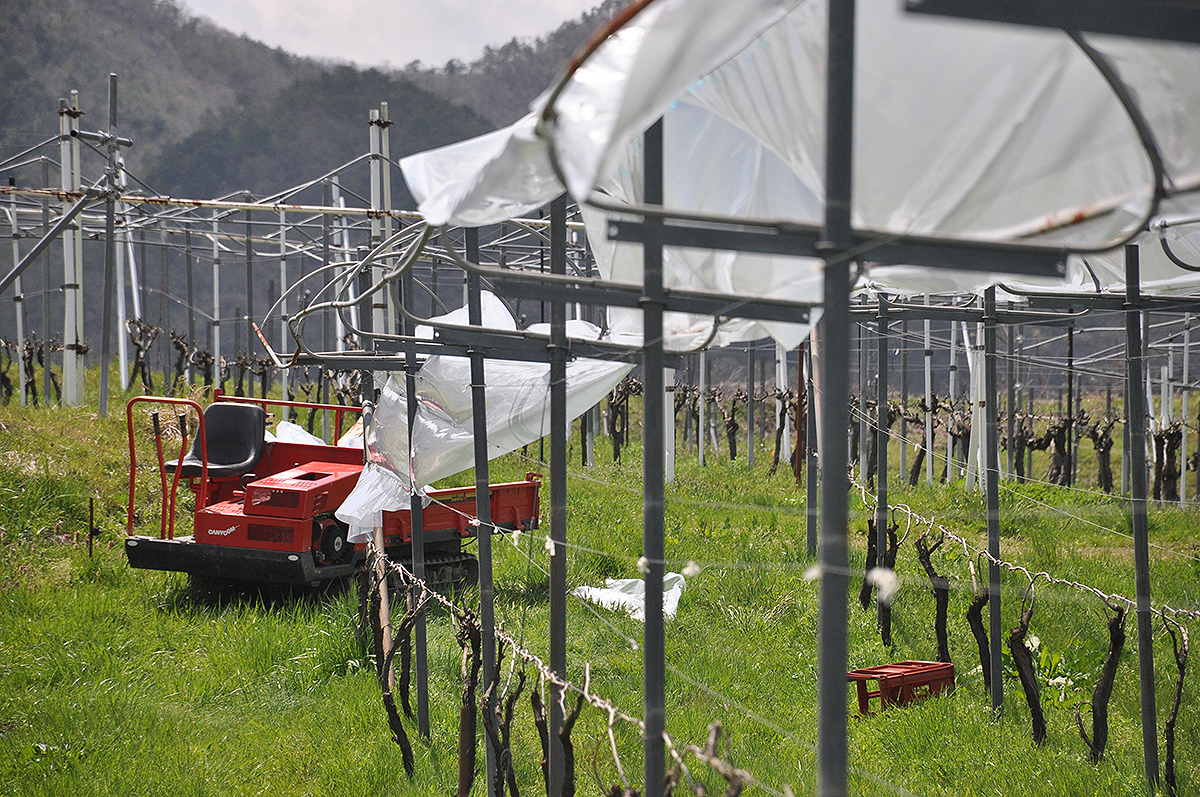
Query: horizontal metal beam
{"type": "Point", "coordinates": [797, 240]}
{"type": "Point", "coordinates": [968, 314]}
{"type": "Point", "coordinates": [1168, 20]}
{"type": "Point", "coordinates": [617, 295]}
{"type": "Point", "coordinates": [1104, 301]}
{"type": "Point", "coordinates": [869, 246]}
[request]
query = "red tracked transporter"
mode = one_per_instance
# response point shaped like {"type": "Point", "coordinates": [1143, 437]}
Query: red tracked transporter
{"type": "Point", "coordinates": [264, 510]}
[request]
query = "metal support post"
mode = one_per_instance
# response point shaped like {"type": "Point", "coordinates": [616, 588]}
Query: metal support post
{"type": "Point", "coordinates": [834, 560]}
{"type": "Point", "coordinates": [378, 304]}
{"type": "Point", "coordinates": [1183, 442]}
{"type": "Point", "coordinates": [110, 246]}
{"type": "Point", "coordinates": [1010, 405]}
{"type": "Point", "coordinates": [928, 401]}
{"type": "Point", "coordinates": [191, 306]}
{"type": "Point", "coordinates": [385, 152]}
{"type": "Point", "coordinates": [701, 426]}
{"type": "Point", "coordinates": [68, 116]}
{"type": "Point", "coordinates": [1071, 448]}
{"type": "Point", "coordinates": [216, 295]}
{"type": "Point", "coordinates": [812, 474]}
{"type": "Point", "coordinates": [653, 524]}
{"type": "Point", "coordinates": [668, 426]}
{"type": "Point", "coordinates": [46, 286]}
{"type": "Point", "coordinates": [558, 493]}
{"type": "Point", "coordinates": [420, 629]}
{"type": "Point", "coordinates": [250, 283]}
{"type": "Point", "coordinates": [881, 444]}
{"type": "Point", "coordinates": [992, 471]}
{"type": "Point", "coordinates": [782, 416]}
{"type": "Point", "coordinates": [283, 304]}
{"type": "Point", "coordinates": [1135, 398]}
{"type": "Point", "coordinates": [952, 391]}
{"type": "Point", "coordinates": [18, 292]}
{"type": "Point", "coordinates": [483, 510]}
{"type": "Point", "coordinates": [864, 427]}
{"type": "Point", "coordinates": [904, 395]}
{"type": "Point", "coordinates": [750, 405]}
{"type": "Point", "coordinates": [164, 310]}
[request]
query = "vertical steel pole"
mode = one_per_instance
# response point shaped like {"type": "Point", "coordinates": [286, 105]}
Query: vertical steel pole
{"type": "Point", "coordinates": [1183, 443]}
{"type": "Point", "coordinates": [110, 246]}
{"type": "Point", "coordinates": [881, 443]}
{"type": "Point", "coordinates": [864, 427]}
{"type": "Point", "coordinates": [558, 493]}
{"type": "Point", "coordinates": [812, 475]}
{"type": "Point", "coordinates": [283, 303]}
{"type": "Point", "coordinates": [992, 469]}
{"type": "Point", "coordinates": [928, 400]}
{"type": "Point", "coordinates": [420, 629]}
{"type": "Point", "coordinates": [750, 405]}
{"type": "Point", "coordinates": [834, 563]}
{"type": "Point", "coordinates": [668, 426]}
{"type": "Point", "coordinates": [1134, 364]}
{"type": "Point", "coordinates": [701, 426]}
{"type": "Point", "coordinates": [18, 292]}
{"type": "Point", "coordinates": [781, 410]}
{"type": "Point", "coordinates": [483, 506]}
{"type": "Point", "coordinates": [46, 370]}
{"type": "Point", "coordinates": [250, 282]}
{"type": "Point", "coordinates": [653, 524]}
{"type": "Point", "coordinates": [379, 303]}
{"type": "Point", "coordinates": [1010, 408]}
{"type": "Point", "coordinates": [122, 316]}
{"type": "Point", "coordinates": [72, 285]}
{"type": "Point", "coordinates": [952, 390]}
{"type": "Point", "coordinates": [216, 292]}
{"type": "Point", "coordinates": [1071, 403]}
{"type": "Point", "coordinates": [904, 395]}
{"type": "Point", "coordinates": [164, 308]}
{"type": "Point", "coordinates": [191, 306]}
{"type": "Point", "coordinates": [385, 153]}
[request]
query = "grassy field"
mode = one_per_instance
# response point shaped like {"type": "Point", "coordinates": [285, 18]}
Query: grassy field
{"type": "Point", "coordinates": [134, 682]}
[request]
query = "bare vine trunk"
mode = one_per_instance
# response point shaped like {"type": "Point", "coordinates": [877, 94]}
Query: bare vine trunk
{"type": "Point", "coordinates": [1023, 660]}
{"type": "Point", "coordinates": [1103, 691]}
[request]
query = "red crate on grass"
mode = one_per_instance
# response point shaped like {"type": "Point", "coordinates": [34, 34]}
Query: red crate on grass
{"type": "Point", "coordinates": [901, 683]}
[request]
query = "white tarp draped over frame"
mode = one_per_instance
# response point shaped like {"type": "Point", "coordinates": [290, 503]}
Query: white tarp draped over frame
{"type": "Point", "coordinates": [963, 129]}
{"type": "Point", "coordinates": [518, 412]}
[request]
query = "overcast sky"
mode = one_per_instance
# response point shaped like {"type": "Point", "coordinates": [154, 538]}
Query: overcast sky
{"type": "Point", "coordinates": [389, 32]}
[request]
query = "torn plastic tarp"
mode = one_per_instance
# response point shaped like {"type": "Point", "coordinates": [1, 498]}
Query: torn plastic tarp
{"type": "Point", "coordinates": [630, 594]}
{"type": "Point", "coordinates": [984, 131]}
{"type": "Point", "coordinates": [518, 412]}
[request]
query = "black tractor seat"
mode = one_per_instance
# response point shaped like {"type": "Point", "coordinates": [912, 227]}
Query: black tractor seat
{"type": "Point", "coordinates": [236, 437]}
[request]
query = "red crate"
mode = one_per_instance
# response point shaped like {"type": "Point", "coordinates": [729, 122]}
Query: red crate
{"type": "Point", "coordinates": [302, 492]}
{"type": "Point", "coordinates": [515, 505]}
{"type": "Point", "coordinates": [902, 683]}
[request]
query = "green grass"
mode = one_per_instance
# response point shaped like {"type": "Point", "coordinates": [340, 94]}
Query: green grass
{"type": "Point", "coordinates": [134, 682]}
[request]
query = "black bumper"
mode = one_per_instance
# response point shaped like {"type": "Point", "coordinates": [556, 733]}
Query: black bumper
{"type": "Point", "coordinates": [183, 555]}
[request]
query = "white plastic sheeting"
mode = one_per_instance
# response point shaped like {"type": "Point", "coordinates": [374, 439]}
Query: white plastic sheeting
{"type": "Point", "coordinates": [629, 594]}
{"type": "Point", "coordinates": [518, 412]}
{"type": "Point", "coordinates": [964, 129]}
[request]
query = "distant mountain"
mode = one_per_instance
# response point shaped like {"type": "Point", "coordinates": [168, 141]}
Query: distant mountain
{"type": "Point", "coordinates": [173, 70]}
{"type": "Point", "coordinates": [212, 113]}
{"type": "Point", "coordinates": [505, 79]}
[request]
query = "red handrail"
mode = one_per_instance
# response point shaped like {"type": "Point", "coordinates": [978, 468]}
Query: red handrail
{"type": "Point", "coordinates": [202, 498]}
{"type": "Point", "coordinates": [339, 409]}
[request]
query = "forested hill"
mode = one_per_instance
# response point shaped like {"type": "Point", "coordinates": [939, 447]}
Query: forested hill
{"type": "Point", "coordinates": [505, 79]}
{"type": "Point", "coordinates": [211, 112]}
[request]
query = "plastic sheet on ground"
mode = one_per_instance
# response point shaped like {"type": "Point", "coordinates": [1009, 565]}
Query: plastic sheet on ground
{"type": "Point", "coordinates": [629, 594]}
